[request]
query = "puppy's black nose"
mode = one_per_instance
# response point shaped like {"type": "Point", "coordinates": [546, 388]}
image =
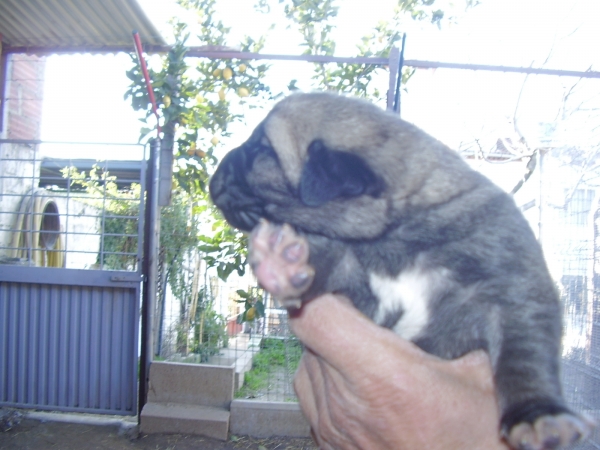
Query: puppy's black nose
{"type": "Point", "coordinates": [226, 176]}
{"type": "Point", "coordinates": [230, 192]}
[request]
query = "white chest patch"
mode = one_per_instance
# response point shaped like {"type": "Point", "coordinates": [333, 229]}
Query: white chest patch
{"type": "Point", "coordinates": [410, 291]}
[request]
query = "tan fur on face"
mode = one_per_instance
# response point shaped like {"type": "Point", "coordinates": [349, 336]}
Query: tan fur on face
{"type": "Point", "coordinates": [416, 168]}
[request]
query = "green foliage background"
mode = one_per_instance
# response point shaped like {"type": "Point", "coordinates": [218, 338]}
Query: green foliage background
{"type": "Point", "coordinates": [198, 97]}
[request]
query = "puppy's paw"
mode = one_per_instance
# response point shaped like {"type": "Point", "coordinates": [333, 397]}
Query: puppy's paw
{"type": "Point", "coordinates": [279, 258]}
{"type": "Point", "coordinates": [549, 432]}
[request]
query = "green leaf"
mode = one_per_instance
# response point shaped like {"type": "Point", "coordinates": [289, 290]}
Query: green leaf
{"type": "Point", "coordinates": [241, 318]}
{"type": "Point", "coordinates": [260, 309]}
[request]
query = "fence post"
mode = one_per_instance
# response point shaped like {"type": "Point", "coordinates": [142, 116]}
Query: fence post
{"type": "Point", "coordinates": [149, 268]}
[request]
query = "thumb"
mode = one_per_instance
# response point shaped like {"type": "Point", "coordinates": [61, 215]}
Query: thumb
{"type": "Point", "coordinates": [475, 369]}
{"type": "Point", "coordinates": [332, 328]}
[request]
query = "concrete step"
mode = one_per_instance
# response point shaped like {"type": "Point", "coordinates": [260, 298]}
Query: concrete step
{"type": "Point", "coordinates": [184, 418]}
{"type": "Point", "coordinates": [191, 384]}
{"type": "Point", "coordinates": [266, 419]}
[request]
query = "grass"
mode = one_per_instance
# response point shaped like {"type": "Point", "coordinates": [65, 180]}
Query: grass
{"type": "Point", "coordinates": [274, 356]}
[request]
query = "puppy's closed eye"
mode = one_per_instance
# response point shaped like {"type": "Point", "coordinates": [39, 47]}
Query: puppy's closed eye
{"type": "Point", "coordinates": [330, 174]}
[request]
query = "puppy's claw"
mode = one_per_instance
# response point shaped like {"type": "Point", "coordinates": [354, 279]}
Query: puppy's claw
{"type": "Point", "coordinates": [549, 432]}
{"type": "Point", "coordinates": [301, 279]}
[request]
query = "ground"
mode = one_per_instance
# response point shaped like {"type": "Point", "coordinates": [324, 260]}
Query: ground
{"type": "Point", "coordinates": [35, 434]}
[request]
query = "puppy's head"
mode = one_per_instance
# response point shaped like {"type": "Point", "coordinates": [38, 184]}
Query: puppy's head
{"type": "Point", "coordinates": [324, 163]}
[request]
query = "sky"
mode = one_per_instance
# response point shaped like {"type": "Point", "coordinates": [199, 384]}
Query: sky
{"type": "Point", "coordinates": [83, 99]}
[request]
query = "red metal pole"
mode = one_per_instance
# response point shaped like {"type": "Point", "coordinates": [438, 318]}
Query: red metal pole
{"type": "Point", "coordinates": [138, 49]}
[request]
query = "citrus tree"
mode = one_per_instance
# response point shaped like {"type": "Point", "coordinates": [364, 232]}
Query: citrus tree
{"type": "Point", "coordinates": [200, 98]}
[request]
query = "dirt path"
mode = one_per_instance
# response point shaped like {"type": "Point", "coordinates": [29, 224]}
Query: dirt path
{"type": "Point", "coordinates": [33, 435]}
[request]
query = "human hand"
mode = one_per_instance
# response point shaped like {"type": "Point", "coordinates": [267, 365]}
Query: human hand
{"type": "Point", "coordinates": [363, 387]}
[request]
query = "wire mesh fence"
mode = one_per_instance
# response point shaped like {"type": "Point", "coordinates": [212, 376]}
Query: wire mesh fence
{"type": "Point", "coordinates": [70, 212]}
{"type": "Point", "coordinates": [262, 349]}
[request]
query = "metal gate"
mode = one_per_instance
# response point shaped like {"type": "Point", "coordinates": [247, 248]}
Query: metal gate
{"type": "Point", "coordinates": [70, 281]}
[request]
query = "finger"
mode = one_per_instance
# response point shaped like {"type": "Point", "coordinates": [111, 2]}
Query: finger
{"type": "Point", "coordinates": [314, 369]}
{"type": "Point", "coordinates": [335, 330]}
{"type": "Point", "coordinates": [475, 369]}
{"type": "Point", "coordinates": [305, 392]}
{"type": "Point", "coordinates": [310, 388]}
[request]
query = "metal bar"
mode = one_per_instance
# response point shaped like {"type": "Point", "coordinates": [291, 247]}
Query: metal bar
{"type": "Point", "coordinates": [142, 210]}
{"type": "Point", "coordinates": [232, 54]}
{"type": "Point", "coordinates": [149, 269]}
{"type": "Point", "coordinates": [97, 49]}
{"type": "Point", "coordinates": [76, 277]}
{"type": "Point", "coordinates": [68, 215]}
{"type": "Point", "coordinates": [530, 70]}
{"type": "Point", "coordinates": [3, 84]}
{"type": "Point", "coordinates": [37, 141]}
{"type": "Point", "coordinates": [393, 64]}
{"type": "Point", "coordinates": [200, 53]}
{"type": "Point", "coordinates": [399, 79]}
{"type": "Point", "coordinates": [102, 222]}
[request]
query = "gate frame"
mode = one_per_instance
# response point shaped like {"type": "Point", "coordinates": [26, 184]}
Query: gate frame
{"type": "Point", "coordinates": [139, 280]}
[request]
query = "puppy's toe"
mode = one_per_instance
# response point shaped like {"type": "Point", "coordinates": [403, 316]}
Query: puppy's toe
{"type": "Point", "coordinates": [549, 432]}
{"type": "Point", "coordinates": [279, 258]}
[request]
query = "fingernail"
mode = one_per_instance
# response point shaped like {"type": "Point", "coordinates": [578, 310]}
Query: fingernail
{"type": "Point", "coordinates": [300, 279]}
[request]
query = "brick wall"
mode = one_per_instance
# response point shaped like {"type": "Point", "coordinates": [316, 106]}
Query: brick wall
{"type": "Point", "coordinates": [18, 163]}
{"type": "Point", "coordinates": [24, 96]}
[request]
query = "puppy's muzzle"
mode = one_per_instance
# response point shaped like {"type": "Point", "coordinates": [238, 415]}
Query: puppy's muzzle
{"type": "Point", "coordinates": [231, 193]}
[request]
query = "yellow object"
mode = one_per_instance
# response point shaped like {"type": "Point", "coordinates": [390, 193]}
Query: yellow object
{"type": "Point", "coordinates": [217, 72]}
{"type": "Point", "coordinates": [243, 92]}
{"type": "Point", "coordinates": [251, 313]}
{"type": "Point", "coordinates": [227, 73]}
{"type": "Point", "coordinates": [214, 140]}
{"type": "Point", "coordinates": [167, 101]}
{"type": "Point", "coordinates": [39, 234]}
{"type": "Point", "coordinates": [242, 68]}
{"type": "Point", "coordinates": [222, 94]}
{"type": "Point", "coordinates": [192, 150]}
{"type": "Point", "coordinates": [200, 98]}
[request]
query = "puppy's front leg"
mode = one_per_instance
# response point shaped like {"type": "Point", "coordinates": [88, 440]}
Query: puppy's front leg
{"type": "Point", "coordinates": [279, 259]}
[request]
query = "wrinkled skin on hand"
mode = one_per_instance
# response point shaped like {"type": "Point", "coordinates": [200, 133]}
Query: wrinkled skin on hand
{"type": "Point", "coordinates": [363, 387]}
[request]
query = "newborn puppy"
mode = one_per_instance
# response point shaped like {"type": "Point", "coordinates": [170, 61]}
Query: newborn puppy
{"type": "Point", "coordinates": [388, 216]}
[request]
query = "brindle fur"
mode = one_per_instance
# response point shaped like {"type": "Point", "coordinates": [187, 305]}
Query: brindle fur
{"type": "Point", "coordinates": [374, 194]}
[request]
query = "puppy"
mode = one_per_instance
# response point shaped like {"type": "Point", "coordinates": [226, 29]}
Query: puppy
{"type": "Point", "coordinates": [422, 244]}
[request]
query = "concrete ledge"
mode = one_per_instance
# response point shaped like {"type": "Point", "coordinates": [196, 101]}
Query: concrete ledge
{"type": "Point", "coordinates": [182, 418]}
{"type": "Point", "coordinates": [265, 419]}
{"type": "Point", "coordinates": [191, 384]}
{"type": "Point", "coordinates": [242, 365]}
{"type": "Point", "coordinates": [126, 426]}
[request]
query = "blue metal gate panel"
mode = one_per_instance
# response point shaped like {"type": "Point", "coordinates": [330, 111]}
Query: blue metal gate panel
{"type": "Point", "coordinates": [69, 347]}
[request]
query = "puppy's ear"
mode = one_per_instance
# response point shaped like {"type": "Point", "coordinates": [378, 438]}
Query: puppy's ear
{"type": "Point", "coordinates": [329, 174]}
